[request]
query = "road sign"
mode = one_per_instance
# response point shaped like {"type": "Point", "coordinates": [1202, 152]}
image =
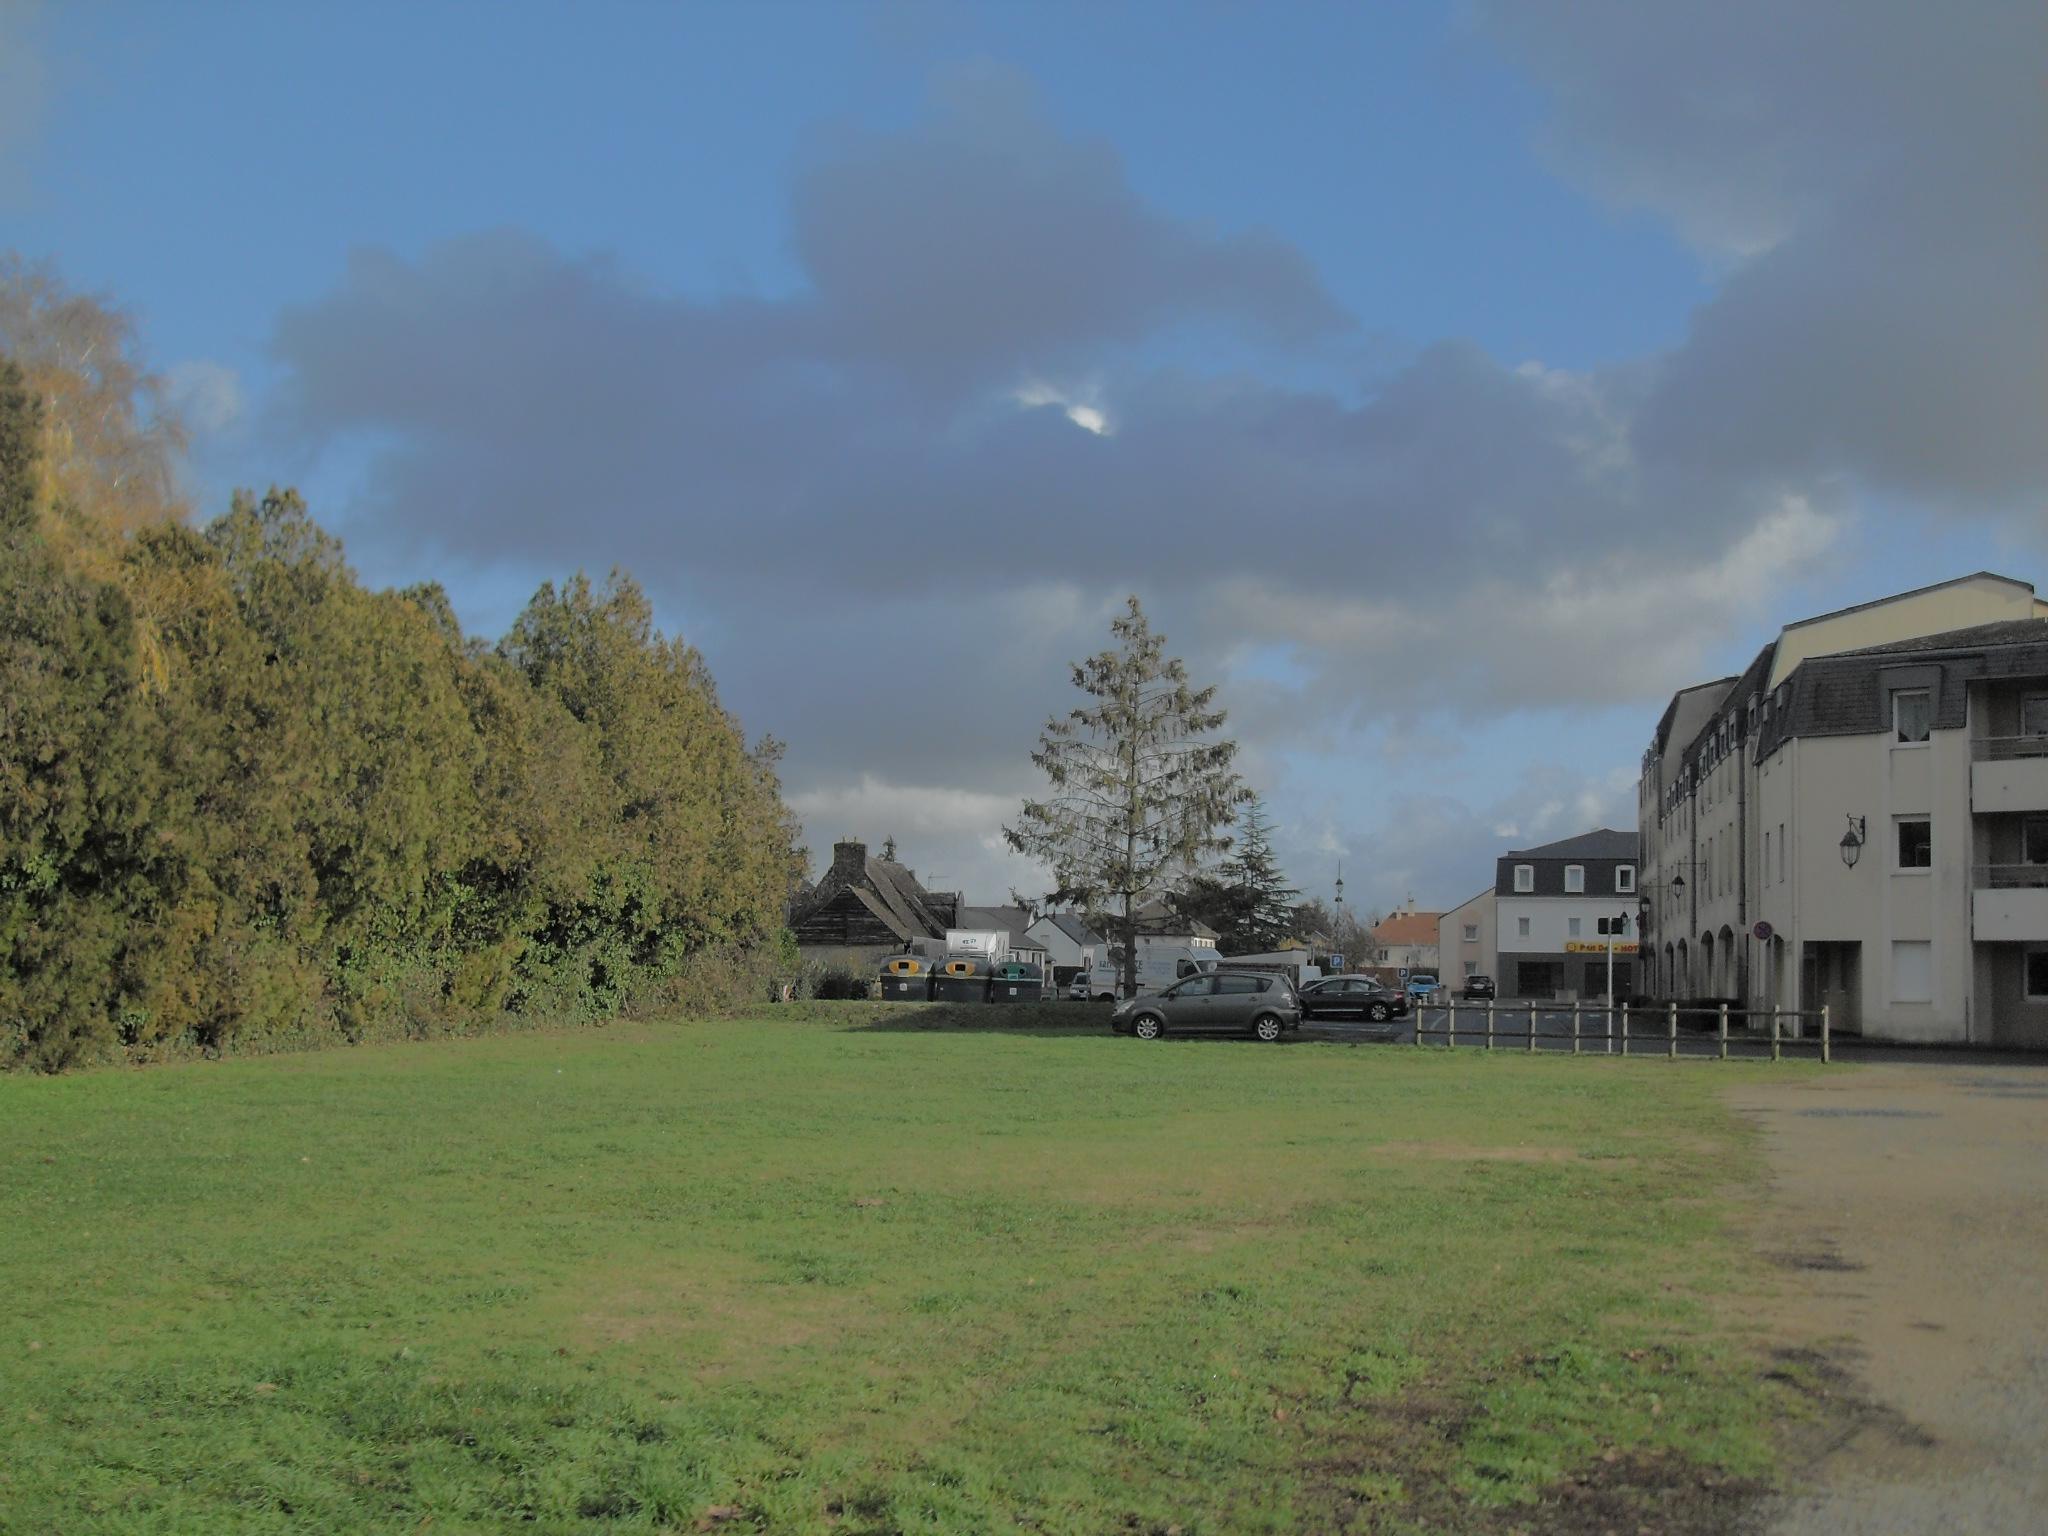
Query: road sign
{"type": "Point", "coordinates": [1762, 930]}
{"type": "Point", "coordinates": [1336, 962]}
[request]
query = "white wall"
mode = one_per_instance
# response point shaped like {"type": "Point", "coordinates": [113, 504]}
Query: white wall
{"type": "Point", "coordinates": [1550, 923]}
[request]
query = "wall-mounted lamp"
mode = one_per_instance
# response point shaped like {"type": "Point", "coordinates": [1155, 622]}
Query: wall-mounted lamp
{"type": "Point", "coordinates": [1852, 842]}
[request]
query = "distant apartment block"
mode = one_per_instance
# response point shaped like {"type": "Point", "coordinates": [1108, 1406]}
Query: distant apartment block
{"type": "Point", "coordinates": [1860, 820]}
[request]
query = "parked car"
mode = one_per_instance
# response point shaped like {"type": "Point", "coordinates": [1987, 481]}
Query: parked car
{"type": "Point", "coordinates": [1479, 988]}
{"type": "Point", "coordinates": [1221, 1001]}
{"type": "Point", "coordinates": [1421, 984]}
{"type": "Point", "coordinates": [1351, 997]}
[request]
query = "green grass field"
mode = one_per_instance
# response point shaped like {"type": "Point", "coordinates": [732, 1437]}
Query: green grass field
{"type": "Point", "coordinates": [836, 1269]}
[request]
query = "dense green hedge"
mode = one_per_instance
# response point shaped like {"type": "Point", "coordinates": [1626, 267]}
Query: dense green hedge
{"type": "Point", "coordinates": [247, 803]}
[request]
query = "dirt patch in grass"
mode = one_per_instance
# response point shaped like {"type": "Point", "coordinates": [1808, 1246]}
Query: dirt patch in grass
{"type": "Point", "coordinates": [723, 1325]}
{"type": "Point", "coordinates": [1458, 1152]}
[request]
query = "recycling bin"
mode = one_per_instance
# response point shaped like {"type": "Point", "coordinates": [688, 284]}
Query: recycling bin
{"type": "Point", "coordinates": [907, 979]}
{"type": "Point", "coordinates": [961, 979]}
{"type": "Point", "coordinates": [1016, 981]}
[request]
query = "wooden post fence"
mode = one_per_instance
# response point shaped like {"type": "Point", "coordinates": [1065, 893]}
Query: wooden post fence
{"type": "Point", "coordinates": [1824, 1049]}
{"type": "Point", "coordinates": [1532, 1027]}
{"type": "Point", "coordinates": [1575, 1026]}
{"type": "Point", "coordinates": [1489, 1024]}
{"type": "Point", "coordinates": [1723, 1032]}
{"type": "Point", "coordinates": [1774, 1034]}
{"type": "Point", "coordinates": [1674, 1032]}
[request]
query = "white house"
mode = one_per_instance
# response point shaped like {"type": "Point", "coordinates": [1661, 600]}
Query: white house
{"type": "Point", "coordinates": [1068, 941]}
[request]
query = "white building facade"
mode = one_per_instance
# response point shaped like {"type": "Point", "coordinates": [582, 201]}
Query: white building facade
{"type": "Point", "coordinates": [1549, 905]}
{"type": "Point", "coordinates": [1860, 821]}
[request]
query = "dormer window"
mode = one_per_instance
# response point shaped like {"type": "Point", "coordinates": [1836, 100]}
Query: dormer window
{"type": "Point", "coordinates": [1525, 878]}
{"type": "Point", "coordinates": [1575, 879]}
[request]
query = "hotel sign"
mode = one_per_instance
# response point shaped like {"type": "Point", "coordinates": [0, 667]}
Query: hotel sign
{"type": "Point", "coordinates": [1598, 947]}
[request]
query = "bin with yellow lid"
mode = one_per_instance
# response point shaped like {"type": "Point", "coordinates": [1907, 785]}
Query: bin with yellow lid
{"type": "Point", "coordinates": [907, 979]}
{"type": "Point", "coordinates": [961, 979]}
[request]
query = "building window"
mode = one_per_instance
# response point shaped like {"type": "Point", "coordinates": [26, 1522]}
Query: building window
{"type": "Point", "coordinates": [1912, 971]}
{"type": "Point", "coordinates": [1525, 878]}
{"type": "Point", "coordinates": [2034, 840]}
{"type": "Point", "coordinates": [1916, 843]}
{"type": "Point", "coordinates": [1572, 928]}
{"type": "Point", "coordinates": [1575, 879]}
{"type": "Point", "coordinates": [1521, 927]}
{"type": "Point", "coordinates": [2037, 975]}
{"type": "Point", "coordinates": [1767, 853]}
{"type": "Point", "coordinates": [1781, 853]}
{"type": "Point", "coordinates": [1471, 967]}
{"type": "Point", "coordinates": [1912, 713]}
{"type": "Point", "coordinates": [2034, 715]}
{"type": "Point", "coordinates": [1471, 933]}
{"type": "Point", "coordinates": [1625, 879]}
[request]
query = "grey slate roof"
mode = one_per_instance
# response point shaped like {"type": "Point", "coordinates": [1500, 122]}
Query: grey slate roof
{"type": "Point", "coordinates": [1845, 694]}
{"type": "Point", "coordinates": [1074, 926]}
{"type": "Point", "coordinates": [1605, 843]}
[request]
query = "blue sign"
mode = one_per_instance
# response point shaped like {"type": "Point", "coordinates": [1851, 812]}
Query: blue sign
{"type": "Point", "coordinates": [1336, 962]}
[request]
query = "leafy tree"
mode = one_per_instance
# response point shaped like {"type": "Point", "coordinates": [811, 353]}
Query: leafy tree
{"type": "Point", "coordinates": [73, 786]}
{"type": "Point", "coordinates": [110, 436]}
{"type": "Point", "coordinates": [1140, 781]}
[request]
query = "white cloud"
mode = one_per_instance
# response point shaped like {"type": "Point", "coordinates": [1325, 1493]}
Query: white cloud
{"type": "Point", "coordinates": [1081, 412]}
{"type": "Point", "coordinates": [952, 837]}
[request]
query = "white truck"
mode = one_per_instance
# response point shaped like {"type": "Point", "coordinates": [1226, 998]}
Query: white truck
{"type": "Point", "coordinates": [1161, 962]}
{"type": "Point", "coordinates": [989, 944]}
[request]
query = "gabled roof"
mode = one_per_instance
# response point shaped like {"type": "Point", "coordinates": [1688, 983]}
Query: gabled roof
{"type": "Point", "coordinates": [1074, 926]}
{"type": "Point", "coordinates": [1605, 843]}
{"type": "Point", "coordinates": [1011, 920]}
{"type": "Point", "coordinates": [1408, 928]}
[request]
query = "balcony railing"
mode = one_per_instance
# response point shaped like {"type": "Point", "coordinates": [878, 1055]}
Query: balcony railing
{"type": "Point", "coordinates": [1992, 749]}
{"type": "Point", "coordinates": [2011, 877]}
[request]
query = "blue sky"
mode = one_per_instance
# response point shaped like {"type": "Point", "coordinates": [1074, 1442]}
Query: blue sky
{"type": "Point", "coordinates": [1470, 375]}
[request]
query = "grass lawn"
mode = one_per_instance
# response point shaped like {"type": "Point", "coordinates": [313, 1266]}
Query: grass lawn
{"type": "Point", "coordinates": [834, 1269]}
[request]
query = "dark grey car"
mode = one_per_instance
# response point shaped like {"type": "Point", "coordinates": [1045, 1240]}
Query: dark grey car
{"type": "Point", "coordinates": [1352, 997]}
{"type": "Point", "coordinates": [1251, 1003]}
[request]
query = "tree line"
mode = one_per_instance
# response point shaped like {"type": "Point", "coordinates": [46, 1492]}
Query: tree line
{"type": "Point", "coordinates": [247, 802]}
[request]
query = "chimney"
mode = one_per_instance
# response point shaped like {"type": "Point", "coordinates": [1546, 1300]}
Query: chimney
{"type": "Point", "coordinates": [850, 862]}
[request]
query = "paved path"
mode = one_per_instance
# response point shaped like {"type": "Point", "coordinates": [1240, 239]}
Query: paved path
{"type": "Point", "coordinates": [1910, 1207]}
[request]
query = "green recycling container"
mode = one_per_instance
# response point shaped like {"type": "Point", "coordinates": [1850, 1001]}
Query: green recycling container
{"type": "Point", "coordinates": [1016, 981]}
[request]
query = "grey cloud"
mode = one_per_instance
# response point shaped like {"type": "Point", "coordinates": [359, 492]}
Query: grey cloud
{"type": "Point", "coordinates": [987, 241]}
{"type": "Point", "coordinates": [841, 487]}
{"type": "Point", "coordinates": [1876, 165]}
{"type": "Point", "coordinates": [24, 86]}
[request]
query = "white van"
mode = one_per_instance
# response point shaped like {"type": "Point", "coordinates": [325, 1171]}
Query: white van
{"type": "Point", "coordinates": [1159, 965]}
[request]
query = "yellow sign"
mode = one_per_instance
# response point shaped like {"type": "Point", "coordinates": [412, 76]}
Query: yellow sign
{"type": "Point", "coordinates": [1598, 947]}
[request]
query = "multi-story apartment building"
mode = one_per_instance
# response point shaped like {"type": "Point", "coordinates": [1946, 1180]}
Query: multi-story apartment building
{"type": "Point", "coordinates": [1548, 906]}
{"type": "Point", "coordinates": [1860, 821]}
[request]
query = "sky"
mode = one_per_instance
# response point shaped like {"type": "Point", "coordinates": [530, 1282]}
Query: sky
{"type": "Point", "coordinates": [1450, 381]}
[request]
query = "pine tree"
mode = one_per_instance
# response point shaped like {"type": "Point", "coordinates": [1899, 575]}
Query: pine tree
{"type": "Point", "coordinates": [1140, 781]}
{"type": "Point", "coordinates": [1262, 902]}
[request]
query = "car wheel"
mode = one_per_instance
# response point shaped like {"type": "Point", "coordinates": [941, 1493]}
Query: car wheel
{"type": "Point", "coordinates": [1379, 1013]}
{"type": "Point", "coordinates": [1266, 1027]}
{"type": "Point", "coordinates": [1148, 1026]}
